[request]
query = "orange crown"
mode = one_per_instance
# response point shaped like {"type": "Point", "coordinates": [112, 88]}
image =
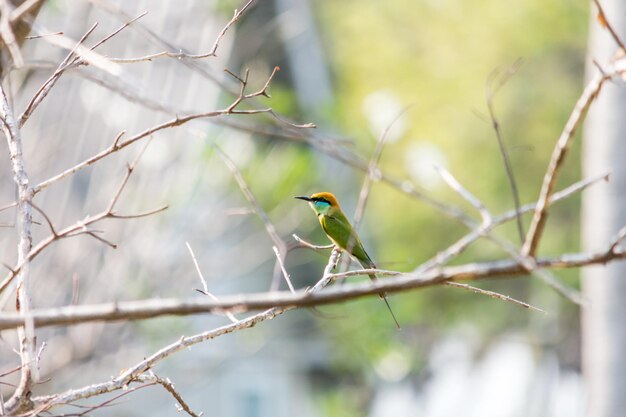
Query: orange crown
{"type": "Point", "coordinates": [324, 195]}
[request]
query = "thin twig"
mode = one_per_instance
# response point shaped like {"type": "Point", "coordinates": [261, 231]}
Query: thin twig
{"type": "Point", "coordinates": [282, 267]}
{"type": "Point", "coordinates": [43, 406]}
{"type": "Point", "coordinates": [373, 173]}
{"type": "Point", "coordinates": [45, 216]}
{"type": "Point", "coordinates": [558, 196]}
{"type": "Point", "coordinates": [77, 55]}
{"type": "Point", "coordinates": [8, 206]}
{"type": "Point", "coordinates": [247, 192]}
{"type": "Point", "coordinates": [465, 194]}
{"type": "Point", "coordinates": [177, 121]}
{"type": "Point", "coordinates": [322, 144]}
{"type": "Point", "coordinates": [488, 224]}
{"type": "Point", "coordinates": [169, 387]}
{"type": "Point", "coordinates": [236, 16]}
{"type": "Point", "coordinates": [254, 203]}
{"type": "Point", "coordinates": [183, 55]}
{"type": "Point", "coordinates": [619, 237]}
{"type": "Point", "coordinates": [494, 82]}
{"type": "Point", "coordinates": [80, 227]}
{"type": "Point", "coordinates": [304, 244]}
{"type": "Point", "coordinates": [493, 294]}
{"type": "Point", "coordinates": [205, 287]}
{"type": "Point", "coordinates": [329, 147]}
{"type": "Point", "coordinates": [45, 88]}
{"type": "Point", "coordinates": [530, 264]}
{"type": "Point", "coordinates": [560, 151]}
{"type": "Point", "coordinates": [30, 37]}
{"type": "Point", "coordinates": [607, 25]}
{"type": "Point", "coordinates": [118, 30]}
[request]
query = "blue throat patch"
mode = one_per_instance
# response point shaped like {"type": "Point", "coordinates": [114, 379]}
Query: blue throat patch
{"type": "Point", "coordinates": [321, 206]}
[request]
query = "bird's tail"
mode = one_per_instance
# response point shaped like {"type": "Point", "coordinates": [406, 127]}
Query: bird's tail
{"type": "Point", "coordinates": [393, 316]}
{"type": "Point", "coordinates": [370, 264]}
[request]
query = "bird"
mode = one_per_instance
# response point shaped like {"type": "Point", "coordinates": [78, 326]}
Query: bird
{"type": "Point", "coordinates": [339, 230]}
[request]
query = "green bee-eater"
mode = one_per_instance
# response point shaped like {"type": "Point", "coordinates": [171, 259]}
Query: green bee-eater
{"type": "Point", "coordinates": [339, 230]}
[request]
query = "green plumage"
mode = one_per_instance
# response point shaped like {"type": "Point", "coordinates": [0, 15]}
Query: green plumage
{"type": "Point", "coordinates": [338, 229]}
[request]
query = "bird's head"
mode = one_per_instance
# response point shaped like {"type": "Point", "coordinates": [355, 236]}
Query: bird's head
{"type": "Point", "coordinates": [322, 202]}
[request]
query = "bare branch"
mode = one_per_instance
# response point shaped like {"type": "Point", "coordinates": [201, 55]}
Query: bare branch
{"type": "Point", "coordinates": [236, 16]}
{"type": "Point", "coordinates": [43, 406]}
{"type": "Point", "coordinates": [206, 292]}
{"type": "Point", "coordinates": [78, 55]}
{"type": "Point", "coordinates": [95, 236]}
{"type": "Point", "coordinates": [51, 81]}
{"type": "Point", "coordinates": [561, 288]}
{"type": "Point", "coordinates": [169, 387]}
{"type": "Point", "coordinates": [463, 192]}
{"type": "Point", "coordinates": [319, 143]}
{"type": "Point", "coordinates": [493, 294]}
{"type": "Point", "coordinates": [131, 374]}
{"type": "Point", "coordinates": [26, 336]}
{"type": "Point", "coordinates": [500, 79]}
{"type": "Point", "coordinates": [607, 25]}
{"type": "Point", "coordinates": [304, 244]}
{"type": "Point", "coordinates": [8, 206]}
{"type": "Point", "coordinates": [455, 249]}
{"type": "Point", "coordinates": [43, 35]}
{"type": "Point", "coordinates": [279, 243]}
{"type": "Point", "coordinates": [247, 192]}
{"type": "Point", "coordinates": [619, 237]}
{"type": "Point", "coordinates": [373, 172]}
{"type": "Point", "coordinates": [135, 310]}
{"type": "Point", "coordinates": [183, 55]}
{"type": "Point", "coordinates": [138, 215]}
{"type": "Point", "coordinates": [118, 144]}
{"type": "Point", "coordinates": [282, 267]}
{"type": "Point", "coordinates": [560, 151]}
{"type": "Point", "coordinates": [532, 267]}
{"type": "Point", "coordinates": [45, 216]}
{"type": "Point", "coordinates": [80, 227]}
{"type": "Point", "coordinates": [83, 55]}
{"type": "Point", "coordinates": [118, 30]}
{"type": "Point", "coordinates": [484, 230]}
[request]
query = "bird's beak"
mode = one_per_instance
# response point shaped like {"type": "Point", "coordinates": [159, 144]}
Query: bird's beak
{"type": "Point", "coordinates": [303, 198]}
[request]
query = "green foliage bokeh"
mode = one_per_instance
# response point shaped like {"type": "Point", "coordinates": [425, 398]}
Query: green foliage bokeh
{"type": "Point", "coordinates": [437, 56]}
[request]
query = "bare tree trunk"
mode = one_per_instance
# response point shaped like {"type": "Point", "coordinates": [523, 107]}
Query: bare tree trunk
{"type": "Point", "coordinates": [604, 213]}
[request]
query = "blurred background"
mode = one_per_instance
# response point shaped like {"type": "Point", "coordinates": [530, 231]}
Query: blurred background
{"type": "Point", "coordinates": [350, 67]}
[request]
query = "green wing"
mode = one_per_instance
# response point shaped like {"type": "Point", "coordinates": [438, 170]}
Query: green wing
{"type": "Point", "coordinates": [339, 229]}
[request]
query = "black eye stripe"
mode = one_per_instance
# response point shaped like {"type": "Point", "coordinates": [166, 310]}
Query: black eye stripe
{"type": "Point", "coordinates": [321, 200]}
